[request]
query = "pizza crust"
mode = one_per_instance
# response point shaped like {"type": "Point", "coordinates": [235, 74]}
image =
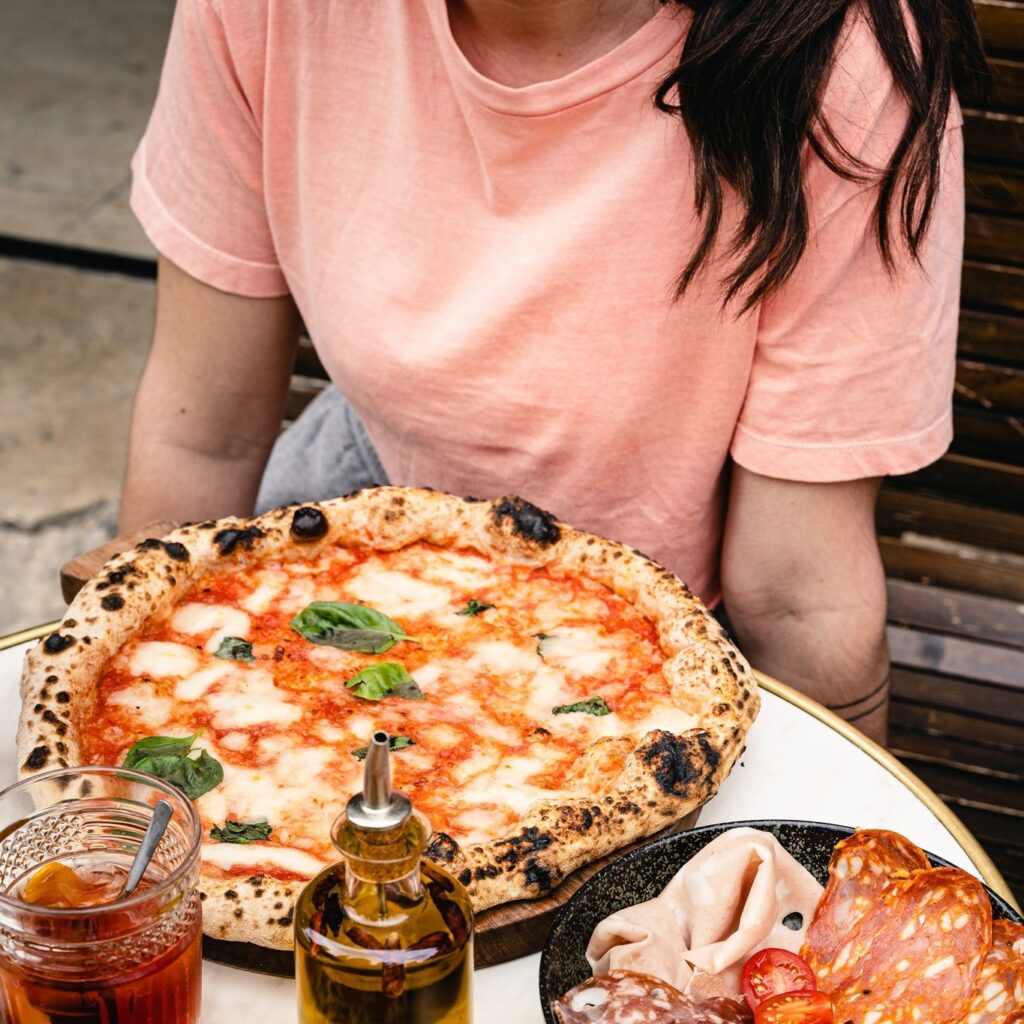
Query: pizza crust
{"type": "Point", "coordinates": [664, 777]}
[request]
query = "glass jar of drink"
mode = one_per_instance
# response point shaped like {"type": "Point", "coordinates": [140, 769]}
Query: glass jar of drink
{"type": "Point", "coordinates": [72, 948]}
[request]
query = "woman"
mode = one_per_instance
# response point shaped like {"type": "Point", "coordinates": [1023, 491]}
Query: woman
{"type": "Point", "coordinates": [706, 326]}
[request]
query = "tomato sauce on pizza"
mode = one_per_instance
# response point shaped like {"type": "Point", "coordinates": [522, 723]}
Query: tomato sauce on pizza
{"type": "Point", "coordinates": [504, 655]}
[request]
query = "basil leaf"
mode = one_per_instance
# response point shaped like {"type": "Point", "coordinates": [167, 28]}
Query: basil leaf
{"type": "Point", "coordinates": [350, 627]}
{"type": "Point", "coordinates": [200, 775]}
{"type": "Point", "coordinates": [234, 648]}
{"type": "Point", "coordinates": [168, 758]}
{"type": "Point", "coordinates": [592, 706]}
{"type": "Point", "coordinates": [474, 607]}
{"type": "Point", "coordinates": [386, 679]}
{"type": "Point", "coordinates": [395, 743]}
{"type": "Point", "coordinates": [158, 746]}
{"type": "Point", "coordinates": [541, 637]}
{"type": "Point", "coordinates": [241, 832]}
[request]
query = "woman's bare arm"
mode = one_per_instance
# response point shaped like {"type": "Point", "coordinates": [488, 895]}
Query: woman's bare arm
{"type": "Point", "coordinates": [805, 590]}
{"type": "Point", "coordinates": [210, 401]}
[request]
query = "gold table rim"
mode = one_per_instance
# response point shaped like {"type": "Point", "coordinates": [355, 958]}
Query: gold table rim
{"type": "Point", "coordinates": [957, 829]}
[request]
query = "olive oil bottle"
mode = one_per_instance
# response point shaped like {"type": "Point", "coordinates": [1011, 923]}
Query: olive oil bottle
{"type": "Point", "coordinates": [383, 937]}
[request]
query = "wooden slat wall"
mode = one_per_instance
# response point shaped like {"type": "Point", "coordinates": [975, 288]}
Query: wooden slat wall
{"type": "Point", "coordinates": [952, 535]}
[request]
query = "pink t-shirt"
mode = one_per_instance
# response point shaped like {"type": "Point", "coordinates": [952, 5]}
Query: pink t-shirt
{"type": "Point", "coordinates": [488, 272]}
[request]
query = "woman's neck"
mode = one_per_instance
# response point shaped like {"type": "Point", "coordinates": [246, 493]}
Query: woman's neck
{"type": "Point", "coordinates": [521, 42]}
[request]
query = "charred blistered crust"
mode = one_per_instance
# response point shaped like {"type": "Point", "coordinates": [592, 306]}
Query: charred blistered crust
{"type": "Point", "coordinates": [442, 849]}
{"type": "Point", "coordinates": [56, 642]}
{"type": "Point", "coordinates": [664, 777]}
{"type": "Point", "coordinates": [38, 758]}
{"type": "Point", "coordinates": [230, 539]}
{"type": "Point", "coordinates": [308, 523]}
{"type": "Point", "coordinates": [527, 521]}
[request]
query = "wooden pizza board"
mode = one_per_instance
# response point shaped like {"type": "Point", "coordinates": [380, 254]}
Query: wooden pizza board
{"type": "Point", "coordinates": [76, 573]}
{"type": "Point", "coordinates": [501, 933]}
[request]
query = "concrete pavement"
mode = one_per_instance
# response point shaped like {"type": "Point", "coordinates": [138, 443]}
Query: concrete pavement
{"type": "Point", "coordinates": [77, 80]}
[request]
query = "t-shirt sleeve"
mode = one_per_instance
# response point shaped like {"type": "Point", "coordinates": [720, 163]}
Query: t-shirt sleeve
{"type": "Point", "coordinates": [197, 186]}
{"type": "Point", "coordinates": [853, 368]}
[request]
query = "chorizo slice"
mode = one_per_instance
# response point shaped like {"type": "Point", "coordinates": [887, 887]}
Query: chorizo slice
{"type": "Point", "coordinates": [860, 869]}
{"type": "Point", "coordinates": [999, 992]}
{"type": "Point", "coordinates": [627, 997]}
{"type": "Point", "coordinates": [916, 956]}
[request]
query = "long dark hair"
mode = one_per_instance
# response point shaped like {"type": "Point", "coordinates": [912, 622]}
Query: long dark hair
{"type": "Point", "coordinates": [748, 88]}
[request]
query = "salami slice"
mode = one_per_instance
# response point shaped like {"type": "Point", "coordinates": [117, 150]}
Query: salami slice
{"type": "Point", "coordinates": [914, 956]}
{"type": "Point", "coordinates": [860, 869]}
{"type": "Point", "coordinates": [999, 993]}
{"type": "Point", "coordinates": [626, 997]}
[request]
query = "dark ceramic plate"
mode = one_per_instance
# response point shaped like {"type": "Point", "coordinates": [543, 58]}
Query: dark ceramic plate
{"type": "Point", "coordinates": [642, 874]}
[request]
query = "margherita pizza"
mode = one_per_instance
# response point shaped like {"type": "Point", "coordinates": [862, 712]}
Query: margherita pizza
{"type": "Point", "coordinates": [551, 696]}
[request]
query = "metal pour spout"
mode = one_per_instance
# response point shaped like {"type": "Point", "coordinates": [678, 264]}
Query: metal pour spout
{"type": "Point", "coordinates": [378, 806]}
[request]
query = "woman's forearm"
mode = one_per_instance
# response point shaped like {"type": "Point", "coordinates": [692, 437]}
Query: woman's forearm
{"type": "Point", "coordinates": [838, 656]}
{"type": "Point", "coordinates": [164, 480]}
{"type": "Point", "coordinates": [209, 403]}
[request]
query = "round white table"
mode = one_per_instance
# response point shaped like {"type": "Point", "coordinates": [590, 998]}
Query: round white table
{"type": "Point", "coordinates": [801, 762]}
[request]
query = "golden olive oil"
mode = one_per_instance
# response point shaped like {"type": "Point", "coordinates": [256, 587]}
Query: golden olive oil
{"type": "Point", "coordinates": [383, 937]}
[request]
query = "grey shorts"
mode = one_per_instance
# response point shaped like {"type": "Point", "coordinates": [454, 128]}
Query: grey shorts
{"type": "Point", "coordinates": [323, 454]}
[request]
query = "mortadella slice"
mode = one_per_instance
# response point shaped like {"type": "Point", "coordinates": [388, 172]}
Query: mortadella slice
{"type": "Point", "coordinates": [743, 892]}
{"type": "Point", "coordinates": [625, 997]}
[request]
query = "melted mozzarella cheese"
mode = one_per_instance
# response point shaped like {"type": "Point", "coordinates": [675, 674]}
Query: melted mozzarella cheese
{"type": "Point", "coordinates": [193, 687]}
{"type": "Point", "coordinates": [301, 592]}
{"type": "Point", "coordinates": [153, 711]}
{"type": "Point", "coordinates": [228, 856]}
{"type": "Point", "coordinates": [305, 763]}
{"type": "Point", "coordinates": [663, 716]}
{"type": "Point", "coordinates": [503, 785]}
{"type": "Point", "coordinates": [160, 659]}
{"type": "Point", "coordinates": [502, 657]}
{"type": "Point", "coordinates": [395, 593]}
{"type": "Point", "coordinates": [549, 613]}
{"type": "Point", "coordinates": [547, 690]}
{"type": "Point", "coordinates": [461, 571]}
{"type": "Point", "coordinates": [478, 824]}
{"type": "Point", "coordinates": [427, 675]}
{"type": "Point", "coordinates": [361, 726]}
{"type": "Point", "coordinates": [338, 662]}
{"type": "Point", "coordinates": [332, 734]}
{"type": "Point", "coordinates": [248, 697]}
{"type": "Point", "coordinates": [271, 583]}
{"type": "Point", "coordinates": [579, 651]}
{"type": "Point", "coordinates": [273, 746]}
{"type": "Point", "coordinates": [290, 792]}
{"type": "Point", "coordinates": [442, 735]}
{"type": "Point", "coordinates": [219, 620]}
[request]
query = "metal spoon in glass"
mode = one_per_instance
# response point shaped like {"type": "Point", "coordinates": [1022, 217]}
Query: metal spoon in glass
{"type": "Point", "coordinates": [162, 812]}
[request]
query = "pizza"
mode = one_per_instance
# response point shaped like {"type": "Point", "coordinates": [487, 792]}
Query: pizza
{"type": "Point", "coordinates": [551, 696]}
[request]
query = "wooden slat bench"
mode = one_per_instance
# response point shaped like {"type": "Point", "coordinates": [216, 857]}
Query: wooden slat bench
{"type": "Point", "coordinates": [952, 535]}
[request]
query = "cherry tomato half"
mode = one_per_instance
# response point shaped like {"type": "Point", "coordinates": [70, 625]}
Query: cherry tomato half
{"type": "Point", "coordinates": [770, 972]}
{"type": "Point", "coordinates": [795, 1008]}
